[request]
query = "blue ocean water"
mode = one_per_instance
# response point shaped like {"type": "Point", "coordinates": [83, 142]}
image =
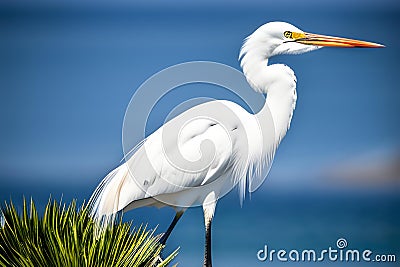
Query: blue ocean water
{"type": "Point", "coordinates": [67, 74]}
{"type": "Point", "coordinates": [281, 219]}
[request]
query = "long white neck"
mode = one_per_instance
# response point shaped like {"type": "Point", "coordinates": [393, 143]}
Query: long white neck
{"type": "Point", "coordinates": [278, 82]}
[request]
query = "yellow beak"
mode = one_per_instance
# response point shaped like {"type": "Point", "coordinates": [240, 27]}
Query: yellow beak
{"type": "Point", "coordinates": [323, 40]}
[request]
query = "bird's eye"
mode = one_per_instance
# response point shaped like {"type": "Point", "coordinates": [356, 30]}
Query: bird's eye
{"type": "Point", "coordinates": [288, 34]}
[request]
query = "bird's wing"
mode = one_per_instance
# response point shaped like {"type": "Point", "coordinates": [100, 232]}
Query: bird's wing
{"type": "Point", "coordinates": [190, 150]}
{"type": "Point", "coordinates": [176, 158]}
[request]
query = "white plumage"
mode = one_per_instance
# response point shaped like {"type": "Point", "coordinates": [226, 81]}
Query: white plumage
{"type": "Point", "coordinates": [204, 152]}
{"type": "Point", "coordinates": [232, 150]}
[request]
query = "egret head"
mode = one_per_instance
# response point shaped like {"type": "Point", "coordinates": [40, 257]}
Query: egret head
{"type": "Point", "coordinates": [274, 38]}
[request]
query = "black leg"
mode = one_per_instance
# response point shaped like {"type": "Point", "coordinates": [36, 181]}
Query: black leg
{"type": "Point", "coordinates": [165, 236]}
{"type": "Point", "coordinates": [207, 248]}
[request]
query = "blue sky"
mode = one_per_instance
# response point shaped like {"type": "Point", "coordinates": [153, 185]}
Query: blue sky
{"type": "Point", "coordinates": [249, 3]}
{"type": "Point", "coordinates": [67, 76]}
{"type": "Point", "coordinates": [68, 71]}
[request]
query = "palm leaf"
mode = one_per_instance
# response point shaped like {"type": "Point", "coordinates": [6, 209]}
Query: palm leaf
{"type": "Point", "coordinates": [66, 236]}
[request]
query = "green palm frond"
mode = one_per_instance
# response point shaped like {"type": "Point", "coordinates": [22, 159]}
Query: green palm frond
{"type": "Point", "coordinates": [66, 236]}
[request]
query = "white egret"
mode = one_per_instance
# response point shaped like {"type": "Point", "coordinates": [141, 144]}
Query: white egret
{"type": "Point", "coordinates": [243, 144]}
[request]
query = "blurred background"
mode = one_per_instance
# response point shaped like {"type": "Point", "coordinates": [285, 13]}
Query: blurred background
{"type": "Point", "coordinates": [69, 68]}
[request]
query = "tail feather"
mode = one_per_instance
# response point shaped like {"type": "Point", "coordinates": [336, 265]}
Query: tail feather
{"type": "Point", "coordinates": [111, 195]}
